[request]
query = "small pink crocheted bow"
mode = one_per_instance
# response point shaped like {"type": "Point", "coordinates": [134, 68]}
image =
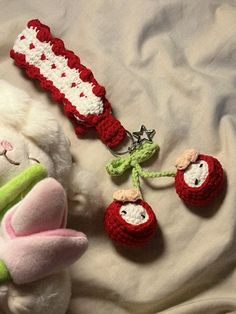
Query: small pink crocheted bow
{"type": "Point", "coordinates": [34, 241]}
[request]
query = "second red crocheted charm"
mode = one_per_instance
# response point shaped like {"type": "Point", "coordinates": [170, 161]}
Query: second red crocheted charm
{"type": "Point", "coordinates": [201, 182]}
{"type": "Point", "coordinates": [130, 223]}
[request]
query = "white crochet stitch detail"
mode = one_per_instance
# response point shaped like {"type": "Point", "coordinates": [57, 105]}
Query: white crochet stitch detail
{"type": "Point", "coordinates": [134, 214]}
{"type": "Point", "coordinates": [196, 173]}
{"type": "Point", "coordinates": [81, 96]}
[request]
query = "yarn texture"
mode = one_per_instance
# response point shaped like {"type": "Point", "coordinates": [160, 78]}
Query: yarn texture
{"type": "Point", "coordinates": [124, 233]}
{"type": "Point", "coordinates": [70, 83]}
{"type": "Point", "coordinates": [201, 182]}
{"type": "Point", "coordinates": [143, 152]}
{"type": "Point", "coordinates": [129, 220]}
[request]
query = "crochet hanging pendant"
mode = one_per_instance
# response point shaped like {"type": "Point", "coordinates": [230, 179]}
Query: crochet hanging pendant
{"type": "Point", "coordinates": [128, 220]}
{"type": "Point", "coordinates": [199, 178]}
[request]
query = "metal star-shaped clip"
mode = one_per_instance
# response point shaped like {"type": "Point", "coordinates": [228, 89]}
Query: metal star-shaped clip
{"type": "Point", "coordinates": [144, 135]}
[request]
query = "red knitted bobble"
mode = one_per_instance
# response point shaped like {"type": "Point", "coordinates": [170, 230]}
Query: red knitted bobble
{"type": "Point", "coordinates": [73, 60]}
{"type": "Point", "coordinates": [211, 182]}
{"type": "Point", "coordinates": [80, 129]}
{"type": "Point", "coordinates": [126, 233]}
{"type": "Point", "coordinates": [57, 46]}
{"type": "Point", "coordinates": [99, 90]}
{"type": "Point", "coordinates": [85, 75]}
{"type": "Point", "coordinates": [35, 23]}
{"type": "Point", "coordinates": [44, 35]}
{"type": "Point", "coordinates": [18, 57]}
{"type": "Point", "coordinates": [32, 71]}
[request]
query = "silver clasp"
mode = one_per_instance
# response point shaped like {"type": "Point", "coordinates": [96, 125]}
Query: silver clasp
{"type": "Point", "coordinates": [137, 138]}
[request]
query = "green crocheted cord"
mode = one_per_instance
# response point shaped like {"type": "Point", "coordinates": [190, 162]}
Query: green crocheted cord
{"type": "Point", "coordinates": [4, 273]}
{"type": "Point", "coordinates": [145, 151]}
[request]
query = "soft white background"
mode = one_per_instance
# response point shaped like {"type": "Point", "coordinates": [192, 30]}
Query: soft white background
{"type": "Point", "coordinates": [170, 65]}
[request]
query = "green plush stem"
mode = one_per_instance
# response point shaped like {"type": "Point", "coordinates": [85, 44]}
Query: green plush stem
{"type": "Point", "coordinates": [153, 174]}
{"type": "Point", "coordinates": [14, 190]}
{"type": "Point", "coordinates": [4, 273]}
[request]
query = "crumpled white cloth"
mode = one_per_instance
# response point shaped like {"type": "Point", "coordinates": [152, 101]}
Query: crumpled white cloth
{"type": "Point", "coordinates": [169, 65]}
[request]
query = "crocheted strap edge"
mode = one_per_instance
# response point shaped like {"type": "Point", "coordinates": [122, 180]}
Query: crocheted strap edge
{"type": "Point", "coordinates": [109, 129]}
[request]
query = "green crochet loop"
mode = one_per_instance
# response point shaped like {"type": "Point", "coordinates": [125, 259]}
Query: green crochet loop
{"type": "Point", "coordinates": [4, 273]}
{"type": "Point", "coordinates": [142, 153]}
{"type": "Point", "coordinates": [145, 151]}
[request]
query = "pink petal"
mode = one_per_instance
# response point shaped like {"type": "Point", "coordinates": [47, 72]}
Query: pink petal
{"type": "Point", "coordinates": [34, 257]}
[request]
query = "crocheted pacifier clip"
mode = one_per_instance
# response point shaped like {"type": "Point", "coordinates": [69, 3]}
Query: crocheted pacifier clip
{"type": "Point", "coordinates": [70, 83]}
{"type": "Point", "coordinates": [128, 220]}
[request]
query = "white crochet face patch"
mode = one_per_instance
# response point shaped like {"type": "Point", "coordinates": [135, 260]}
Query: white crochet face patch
{"type": "Point", "coordinates": [196, 173]}
{"type": "Point", "coordinates": [134, 214]}
{"type": "Point", "coordinates": [55, 68]}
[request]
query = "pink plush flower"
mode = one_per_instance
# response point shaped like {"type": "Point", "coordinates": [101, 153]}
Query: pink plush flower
{"type": "Point", "coordinates": [34, 240]}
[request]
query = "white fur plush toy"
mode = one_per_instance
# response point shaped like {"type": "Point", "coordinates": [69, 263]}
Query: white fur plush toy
{"type": "Point", "coordinates": [29, 135]}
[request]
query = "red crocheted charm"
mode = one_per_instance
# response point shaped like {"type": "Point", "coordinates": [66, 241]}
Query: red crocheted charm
{"type": "Point", "coordinates": [46, 59]}
{"type": "Point", "coordinates": [201, 182]}
{"type": "Point", "coordinates": [130, 223]}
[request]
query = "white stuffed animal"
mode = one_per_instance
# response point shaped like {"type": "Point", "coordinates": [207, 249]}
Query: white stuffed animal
{"type": "Point", "coordinates": [29, 134]}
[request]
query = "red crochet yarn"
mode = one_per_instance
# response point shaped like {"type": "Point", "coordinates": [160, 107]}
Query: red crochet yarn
{"type": "Point", "coordinates": [126, 233]}
{"type": "Point", "coordinates": [109, 129]}
{"type": "Point", "coordinates": [208, 190]}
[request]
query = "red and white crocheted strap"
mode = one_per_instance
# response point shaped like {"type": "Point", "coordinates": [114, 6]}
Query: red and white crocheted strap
{"type": "Point", "coordinates": [73, 85]}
